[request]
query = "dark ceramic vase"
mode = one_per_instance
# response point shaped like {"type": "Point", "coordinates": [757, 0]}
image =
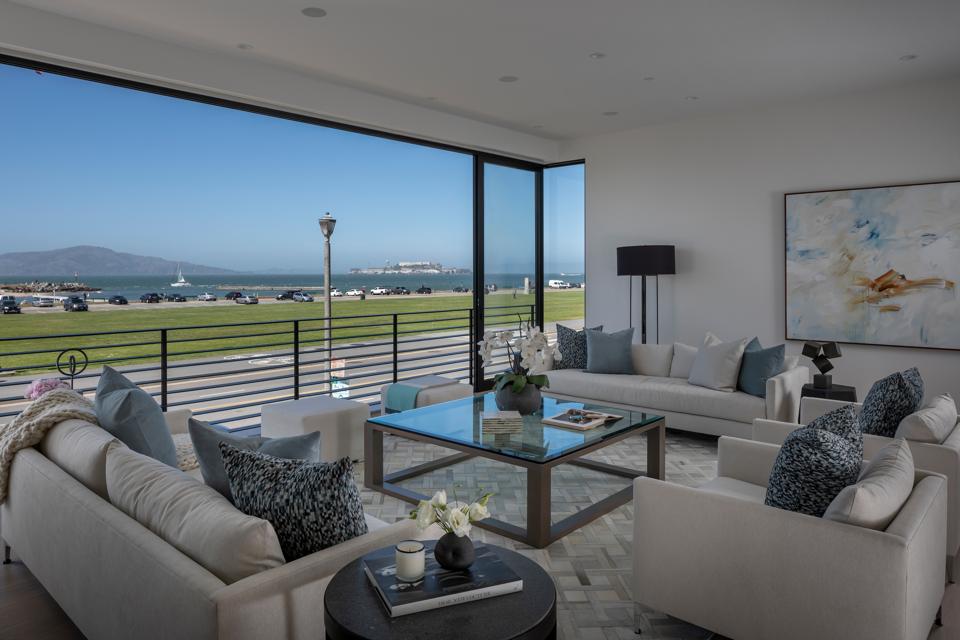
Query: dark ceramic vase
{"type": "Point", "coordinates": [526, 402]}
{"type": "Point", "coordinates": [454, 552]}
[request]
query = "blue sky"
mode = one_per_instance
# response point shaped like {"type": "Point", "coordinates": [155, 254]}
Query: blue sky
{"type": "Point", "coordinates": [87, 163]}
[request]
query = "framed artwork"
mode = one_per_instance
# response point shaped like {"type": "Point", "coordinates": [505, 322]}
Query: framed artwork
{"type": "Point", "coordinates": [876, 265]}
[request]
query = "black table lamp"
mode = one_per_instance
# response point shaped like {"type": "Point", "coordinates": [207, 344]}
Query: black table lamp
{"type": "Point", "coordinates": [646, 260]}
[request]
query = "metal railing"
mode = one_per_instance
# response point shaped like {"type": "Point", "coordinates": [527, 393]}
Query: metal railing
{"type": "Point", "coordinates": [225, 373]}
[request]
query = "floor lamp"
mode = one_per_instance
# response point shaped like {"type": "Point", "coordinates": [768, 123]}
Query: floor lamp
{"type": "Point", "coordinates": [645, 260]}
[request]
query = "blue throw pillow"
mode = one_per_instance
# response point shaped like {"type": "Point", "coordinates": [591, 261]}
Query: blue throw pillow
{"type": "Point", "coordinates": [816, 462]}
{"type": "Point", "coordinates": [573, 347]}
{"type": "Point", "coordinates": [889, 401]}
{"type": "Point", "coordinates": [609, 352]}
{"type": "Point", "coordinates": [132, 416]}
{"type": "Point", "coordinates": [206, 442]}
{"type": "Point", "coordinates": [759, 364]}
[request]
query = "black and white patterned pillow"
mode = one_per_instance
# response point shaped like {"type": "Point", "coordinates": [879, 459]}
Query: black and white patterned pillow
{"type": "Point", "coordinates": [573, 347]}
{"type": "Point", "coordinates": [889, 401]}
{"type": "Point", "coordinates": [816, 462]}
{"type": "Point", "coordinates": [311, 505]}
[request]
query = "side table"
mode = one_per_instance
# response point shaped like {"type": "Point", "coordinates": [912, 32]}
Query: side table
{"type": "Point", "coordinates": [833, 392]}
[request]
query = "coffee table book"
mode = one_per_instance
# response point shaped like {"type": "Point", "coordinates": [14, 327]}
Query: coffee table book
{"type": "Point", "coordinates": [581, 419]}
{"type": "Point", "coordinates": [488, 577]}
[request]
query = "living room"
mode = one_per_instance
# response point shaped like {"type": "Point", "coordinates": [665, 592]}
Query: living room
{"type": "Point", "coordinates": [718, 131]}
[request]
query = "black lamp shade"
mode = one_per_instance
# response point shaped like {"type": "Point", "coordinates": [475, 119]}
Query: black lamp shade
{"type": "Point", "coordinates": [646, 260]}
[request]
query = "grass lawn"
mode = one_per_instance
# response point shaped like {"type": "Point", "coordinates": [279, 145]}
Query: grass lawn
{"type": "Point", "coordinates": [188, 338]}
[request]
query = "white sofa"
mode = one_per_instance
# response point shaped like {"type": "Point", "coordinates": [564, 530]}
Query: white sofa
{"type": "Point", "coordinates": [116, 579]}
{"type": "Point", "coordinates": [943, 458]}
{"type": "Point", "coordinates": [685, 406]}
{"type": "Point", "coordinates": [717, 557]}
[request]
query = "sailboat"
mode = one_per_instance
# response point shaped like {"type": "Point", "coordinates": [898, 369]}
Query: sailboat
{"type": "Point", "coordinates": [181, 282]}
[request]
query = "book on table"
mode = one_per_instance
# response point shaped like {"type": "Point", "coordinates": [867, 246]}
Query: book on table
{"type": "Point", "coordinates": [487, 577]}
{"type": "Point", "coordinates": [581, 419]}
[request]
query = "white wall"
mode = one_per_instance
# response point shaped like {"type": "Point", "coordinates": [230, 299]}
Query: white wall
{"type": "Point", "coordinates": [42, 35]}
{"type": "Point", "coordinates": [714, 187]}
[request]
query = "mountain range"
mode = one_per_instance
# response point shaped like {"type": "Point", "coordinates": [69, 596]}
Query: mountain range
{"type": "Point", "coordinates": [95, 261]}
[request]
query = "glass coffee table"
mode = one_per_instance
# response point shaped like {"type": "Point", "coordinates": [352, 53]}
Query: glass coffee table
{"type": "Point", "coordinates": [537, 448]}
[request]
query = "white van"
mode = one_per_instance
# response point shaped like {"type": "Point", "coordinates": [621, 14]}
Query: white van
{"type": "Point", "coordinates": [559, 284]}
{"type": "Point", "coordinates": [43, 301]}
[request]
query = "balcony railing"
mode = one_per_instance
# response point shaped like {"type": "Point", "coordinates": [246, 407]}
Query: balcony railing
{"type": "Point", "coordinates": [225, 373]}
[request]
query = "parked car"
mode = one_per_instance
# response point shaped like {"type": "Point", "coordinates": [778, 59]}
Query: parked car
{"type": "Point", "coordinates": [9, 305]}
{"type": "Point", "coordinates": [300, 296]}
{"type": "Point", "coordinates": [233, 295]}
{"type": "Point", "coordinates": [379, 291]}
{"type": "Point", "coordinates": [424, 290]}
{"type": "Point", "coordinates": [246, 299]}
{"type": "Point", "coordinates": [491, 288]}
{"type": "Point", "coordinates": [287, 295]}
{"type": "Point", "coordinates": [206, 297]}
{"type": "Point", "coordinates": [336, 293]}
{"type": "Point", "coordinates": [559, 284]}
{"type": "Point", "coordinates": [74, 303]}
{"type": "Point", "coordinates": [150, 298]}
{"type": "Point", "coordinates": [42, 301]}
{"type": "Point", "coordinates": [459, 289]}
{"type": "Point", "coordinates": [175, 297]}
{"type": "Point", "coordinates": [355, 292]}
{"type": "Point", "coordinates": [117, 300]}
{"type": "Point", "coordinates": [401, 291]}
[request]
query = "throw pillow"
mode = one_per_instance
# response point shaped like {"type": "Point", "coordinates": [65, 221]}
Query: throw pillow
{"type": "Point", "coordinates": [133, 417]}
{"type": "Point", "coordinates": [889, 401]}
{"type": "Point", "coordinates": [884, 486]}
{"type": "Point", "coordinates": [609, 352]}
{"type": "Point", "coordinates": [682, 362]}
{"type": "Point", "coordinates": [816, 462]}
{"type": "Point", "coordinates": [573, 347]}
{"type": "Point", "coordinates": [717, 365]}
{"type": "Point", "coordinates": [206, 442]}
{"type": "Point", "coordinates": [933, 423]}
{"type": "Point", "coordinates": [757, 366]}
{"type": "Point", "coordinates": [311, 505]}
{"type": "Point", "coordinates": [652, 359]}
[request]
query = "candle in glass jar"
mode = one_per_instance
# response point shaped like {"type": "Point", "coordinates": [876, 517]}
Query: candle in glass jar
{"type": "Point", "coordinates": [410, 561]}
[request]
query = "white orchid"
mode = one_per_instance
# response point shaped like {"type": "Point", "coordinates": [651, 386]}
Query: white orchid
{"type": "Point", "coordinates": [528, 350]}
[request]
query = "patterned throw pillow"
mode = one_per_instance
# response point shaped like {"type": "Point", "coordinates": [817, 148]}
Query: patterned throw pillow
{"type": "Point", "coordinates": [816, 462]}
{"type": "Point", "coordinates": [889, 401]}
{"type": "Point", "coordinates": [573, 347]}
{"type": "Point", "coordinates": [311, 505]}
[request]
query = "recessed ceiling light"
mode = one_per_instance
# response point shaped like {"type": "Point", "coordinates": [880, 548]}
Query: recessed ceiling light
{"type": "Point", "coordinates": [314, 12]}
{"type": "Point", "coordinates": [908, 57]}
{"type": "Point", "coordinates": [244, 46]}
{"type": "Point", "coordinates": [596, 55]}
{"type": "Point", "coordinates": [611, 113]}
{"type": "Point", "coordinates": [648, 78]}
{"type": "Point", "coordinates": [692, 98]}
{"type": "Point", "coordinates": [508, 78]}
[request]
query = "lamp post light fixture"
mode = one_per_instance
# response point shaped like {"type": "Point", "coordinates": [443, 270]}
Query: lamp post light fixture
{"type": "Point", "coordinates": [327, 223]}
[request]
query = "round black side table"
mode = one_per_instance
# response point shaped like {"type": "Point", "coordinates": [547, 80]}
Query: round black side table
{"type": "Point", "coordinates": [352, 610]}
{"type": "Point", "coordinates": [833, 392]}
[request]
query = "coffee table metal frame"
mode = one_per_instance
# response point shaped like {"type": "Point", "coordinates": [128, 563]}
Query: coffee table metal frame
{"type": "Point", "coordinates": [539, 532]}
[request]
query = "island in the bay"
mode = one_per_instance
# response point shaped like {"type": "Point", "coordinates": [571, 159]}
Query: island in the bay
{"type": "Point", "coordinates": [418, 266]}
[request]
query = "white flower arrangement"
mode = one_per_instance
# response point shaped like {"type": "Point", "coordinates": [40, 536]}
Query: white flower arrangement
{"type": "Point", "coordinates": [528, 349]}
{"type": "Point", "coordinates": [452, 518]}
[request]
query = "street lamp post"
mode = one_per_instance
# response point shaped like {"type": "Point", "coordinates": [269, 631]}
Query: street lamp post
{"type": "Point", "coordinates": [327, 223]}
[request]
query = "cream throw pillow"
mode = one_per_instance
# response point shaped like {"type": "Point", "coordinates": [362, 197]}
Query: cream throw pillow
{"type": "Point", "coordinates": [933, 423]}
{"type": "Point", "coordinates": [652, 359]}
{"type": "Point", "coordinates": [717, 365]}
{"type": "Point", "coordinates": [191, 516]}
{"type": "Point", "coordinates": [882, 490]}
{"type": "Point", "coordinates": [683, 357]}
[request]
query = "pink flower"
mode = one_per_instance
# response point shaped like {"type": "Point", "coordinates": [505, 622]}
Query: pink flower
{"type": "Point", "coordinates": [39, 387]}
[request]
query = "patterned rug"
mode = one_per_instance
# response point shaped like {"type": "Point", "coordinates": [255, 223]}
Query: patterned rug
{"type": "Point", "coordinates": [591, 566]}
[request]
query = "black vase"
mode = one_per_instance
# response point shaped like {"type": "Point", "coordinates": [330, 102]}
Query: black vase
{"type": "Point", "coordinates": [454, 552]}
{"type": "Point", "coordinates": [526, 402]}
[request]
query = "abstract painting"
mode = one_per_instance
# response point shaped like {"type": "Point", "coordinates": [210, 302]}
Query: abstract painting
{"type": "Point", "coordinates": [874, 266]}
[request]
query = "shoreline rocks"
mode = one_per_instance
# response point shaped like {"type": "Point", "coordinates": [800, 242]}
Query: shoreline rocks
{"type": "Point", "coordinates": [46, 287]}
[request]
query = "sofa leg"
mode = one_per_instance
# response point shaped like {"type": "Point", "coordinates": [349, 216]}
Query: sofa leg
{"type": "Point", "coordinates": [939, 619]}
{"type": "Point", "coordinates": [6, 554]}
{"type": "Point", "coordinates": [637, 617]}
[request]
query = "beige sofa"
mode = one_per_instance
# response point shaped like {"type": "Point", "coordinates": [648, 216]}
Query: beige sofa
{"type": "Point", "coordinates": [116, 579]}
{"type": "Point", "coordinates": [717, 557]}
{"type": "Point", "coordinates": [685, 406]}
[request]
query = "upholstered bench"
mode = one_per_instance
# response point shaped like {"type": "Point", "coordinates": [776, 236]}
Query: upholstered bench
{"type": "Point", "coordinates": [339, 421]}
{"type": "Point", "coordinates": [431, 389]}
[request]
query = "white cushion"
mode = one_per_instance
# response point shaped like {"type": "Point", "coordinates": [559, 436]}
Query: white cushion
{"type": "Point", "coordinates": [191, 516]}
{"type": "Point", "coordinates": [717, 364]}
{"type": "Point", "coordinates": [652, 359]}
{"type": "Point", "coordinates": [790, 362]}
{"type": "Point", "coordinates": [80, 449]}
{"type": "Point", "coordinates": [736, 489]}
{"type": "Point", "coordinates": [933, 423]}
{"type": "Point", "coordinates": [683, 357]}
{"type": "Point", "coordinates": [339, 420]}
{"type": "Point", "coordinates": [883, 488]}
{"type": "Point", "coordinates": [653, 393]}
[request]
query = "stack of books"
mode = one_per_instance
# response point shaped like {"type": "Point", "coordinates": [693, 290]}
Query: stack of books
{"type": "Point", "coordinates": [497, 422]}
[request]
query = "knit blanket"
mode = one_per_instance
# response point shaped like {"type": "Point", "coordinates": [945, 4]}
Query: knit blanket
{"type": "Point", "coordinates": [41, 415]}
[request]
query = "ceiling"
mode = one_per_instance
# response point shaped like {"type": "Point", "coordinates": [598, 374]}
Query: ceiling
{"type": "Point", "coordinates": [662, 59]}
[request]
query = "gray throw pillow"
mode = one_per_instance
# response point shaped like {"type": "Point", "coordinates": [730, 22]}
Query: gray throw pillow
{"type": "Point", "coordinates": [573, 347]}
{"type": "Point", "coordinates": [816, 463]}
{"type": "Point", "coordinates": [757, 366]}
{"type": "Point", "coordinates": [206, 442]}
{"type": "Point", "coordinates": [609, 352]}
{"type": "Point", "coordinates": [889, 401]}
{"type": "Point", "coordinates": [132, 416]}
{"type": "Point", "coordinates": [311, 505]}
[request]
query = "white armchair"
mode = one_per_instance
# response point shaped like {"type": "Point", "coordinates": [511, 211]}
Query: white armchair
{"type": "Point", "coordinates": [943, 458]}
{"type": "Point", "coordinates": [717, 557]}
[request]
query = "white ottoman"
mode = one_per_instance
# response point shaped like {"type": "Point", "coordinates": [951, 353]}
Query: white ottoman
{"type": "Point", "coordinates": [339, 421]}
{"type": "Point", "coordinates": [434, 389]}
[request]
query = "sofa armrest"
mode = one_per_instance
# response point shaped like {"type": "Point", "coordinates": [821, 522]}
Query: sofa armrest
{"type": "Point", "coordinates": [772, 431]}
{"type": "Point", "coordinates": [813, 408]}
{"type": "Point", "coordinates": [287, 601]}
{"type": "Point", "coordinates": [177, 420]}
{"type": "Point", "coordinates": [745, 460]}
{"type": "Point", "coordinates": [783, 394]}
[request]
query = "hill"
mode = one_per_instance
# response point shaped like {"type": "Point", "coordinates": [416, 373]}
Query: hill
{"type": "Point", "coordinates": [94, 261]}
